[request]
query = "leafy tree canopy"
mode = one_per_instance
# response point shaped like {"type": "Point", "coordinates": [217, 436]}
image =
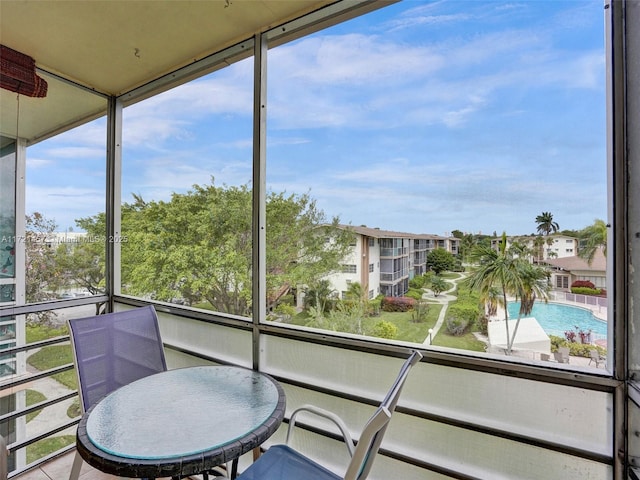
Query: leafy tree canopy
{"type": "Point", "coordinates": [440, 260]}
{"type": "Point", "coordinates": [591, 239]}
{"type": "Point", "coordinates": [198, 246]}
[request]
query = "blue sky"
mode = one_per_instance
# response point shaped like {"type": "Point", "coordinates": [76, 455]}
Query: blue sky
{"type": "Point", "coordinates": [422, 117]}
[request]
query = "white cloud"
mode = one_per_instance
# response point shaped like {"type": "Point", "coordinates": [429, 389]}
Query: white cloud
{"type": "Point", "coordinates": [65, 204]}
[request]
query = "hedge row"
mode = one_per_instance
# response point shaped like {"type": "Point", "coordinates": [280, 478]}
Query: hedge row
{"type": "Point", "coordinates": [586, 291]}
{"type": "Point", "coordinates": [397, 304]}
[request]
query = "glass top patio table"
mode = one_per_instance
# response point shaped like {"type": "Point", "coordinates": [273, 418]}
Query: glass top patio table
{"type": "Point", "coordinates": [181, 422]}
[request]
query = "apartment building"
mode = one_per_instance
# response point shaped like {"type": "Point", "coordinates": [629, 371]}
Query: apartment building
{"type": "Point", "coordinates": [566, 270]}
{"type": "Point", "coordinates": [384, 261]}
{"type": "Point", "coordinates": [543, 247]}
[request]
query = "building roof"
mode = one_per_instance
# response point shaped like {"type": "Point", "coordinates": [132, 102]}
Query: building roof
{"type": "Point", "coordinates": [569, 264]}
{"type": "Point", "coordinates": [379, 233]}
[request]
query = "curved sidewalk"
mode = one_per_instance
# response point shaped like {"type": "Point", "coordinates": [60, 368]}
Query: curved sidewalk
{"type": "Point", "coordinates": [443, 299]}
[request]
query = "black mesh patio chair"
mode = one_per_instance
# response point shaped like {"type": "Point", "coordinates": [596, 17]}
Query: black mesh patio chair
{"type": "Point", "coordinates": [281, 462]}
{"type": "Point", "coordinates": [111, 351]}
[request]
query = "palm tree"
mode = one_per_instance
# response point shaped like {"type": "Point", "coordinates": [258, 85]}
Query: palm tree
{"type": "Point", "coordinates": [533, 283]}
{"type": "Point", "coordinates": [538, 247]}
{"type": "Point", "coordinates": [592, 238]}
{"type": "Point", "coordinates": [510, 274]}
{"type": "Point", "coordinates": [466, 245]}
{"type": "Point", "coordinates": [492, 301]}
{"type": "Point", "coordinates": [495, 269]}
{"type": "Point", "coordinates": [546, 225]}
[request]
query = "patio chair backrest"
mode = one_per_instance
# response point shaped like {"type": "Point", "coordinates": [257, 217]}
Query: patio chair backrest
{"type": "Point", "coordinates": [4, 453]}
{"type": "Point", "coordinates": [373, 432]}
{"type": "Point", "coordinates": [115, 349]}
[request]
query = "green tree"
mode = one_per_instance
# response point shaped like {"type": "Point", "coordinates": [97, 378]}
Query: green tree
{"type": "Point", "coordinates": [591, 239]}
{"type": "Point", "coordinates": [198, 246]}
{"type": "Point", "coordinates": [467, 243]}
{"type": "Point", "coordinates": [546, 225]}
{"type": "Point", "coordinates": [320, 296]}
{"type": "Point", "coordinates": [492, 299]}
{"type": "Point", "coordinates": [538, 248]}
{"type": "Point", "coordinates": [511, 275]}
{"type": "Point", "coordinates": [355, 292]}
{"type": "Point", "coordinates": [82, 265]}
{"type": "Point", "coordinates": [438, 285]}
{"type": "Point", "coordinates": [42, 273]}
{"type": "Point", "coordinates": [439, 260]}
{"type": "Point", "coordinates": [533, 284]}
{"type": "Point", "coordinates": [43, 276]}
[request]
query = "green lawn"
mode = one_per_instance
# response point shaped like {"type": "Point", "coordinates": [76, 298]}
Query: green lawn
{"type": "Point", "coordinates": [33, 397]}
{"type": "Point", "coordinates": [55, 356]}
{"type": "Point", "coordinates": [408, 330]}
{"type": "Point", "coordinates": [48, 445]}
{"type": "Point", "coordinates": [37, 333]}
{"type": "Point", "coordinates": [450, 275]}
{"type": "Point", "coordinates": [464, 342]}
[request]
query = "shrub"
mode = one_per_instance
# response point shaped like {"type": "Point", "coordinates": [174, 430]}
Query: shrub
{"type": "Point", "coordinates": [438, 285]}
{"type": "Point", "coordinates": [414, 293]}
{"type": "Point", "coordinates": [285, 311]}
{"type": "Point", "coordinates": [417, 282]}
{"type": "Point", "coordinates": [420, 311]}
{"type": "Point", "coordinates": [570, 335]}
{"type": "Point", "coordinates": [557, 341]}
{"type": "Point", "coordinates": [575, 349]}
{"type": "Point", "coordinates": [461, 316]}
{"type": "Point", "coordinates": [585, 291]}
{"type": "Point", "coordinates": [457, 266]}
{"type": "Point", "coordinates": [373, 307]}
{"type": "Point", "coordinates": [578, 335]}
{"type": "Point", "coordinates": [397, 304]}
{"type": "Point", "coordinates": [456, 326]}
{"type": "Point", "coordinates": [582, 283]}
{"type": "Point", "coordinates": [384, 329]}
{"type": "Point", "coordinates": [483, 324]}
{"type": "Point", "coordinates": [466, 310]}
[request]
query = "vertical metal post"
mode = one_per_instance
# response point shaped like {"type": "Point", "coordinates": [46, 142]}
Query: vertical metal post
{"type": "Point", "coordinates": [259, 269]}
{"type": "Point", "coordinates": [113, 197]}
{"type": "Point", "coordinates": [619, 236]}
{"type": "Point", "coordinates": [627, 334]}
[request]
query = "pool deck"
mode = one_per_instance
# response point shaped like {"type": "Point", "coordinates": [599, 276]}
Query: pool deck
{"type": "Point", "coordinates": [598, 312]}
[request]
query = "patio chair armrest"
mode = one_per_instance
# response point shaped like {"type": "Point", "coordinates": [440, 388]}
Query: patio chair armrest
{"type": "Point", "coordinates": [325, 414]}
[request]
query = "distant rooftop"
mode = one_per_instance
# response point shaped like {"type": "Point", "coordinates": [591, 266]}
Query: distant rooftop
{"type": "Point", "coordinates": [379, 233]}
{"type": "Point", "coordinates": [599, 262]}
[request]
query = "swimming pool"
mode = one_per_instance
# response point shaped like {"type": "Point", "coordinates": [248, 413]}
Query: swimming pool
{"type": "Point", "coordinates": [555, 318]}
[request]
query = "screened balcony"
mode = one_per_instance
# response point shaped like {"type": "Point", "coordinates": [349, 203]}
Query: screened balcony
{"type": "Point", "coordinates": [119, 69]}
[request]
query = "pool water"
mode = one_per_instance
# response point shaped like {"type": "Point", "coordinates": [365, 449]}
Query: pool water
{"type": "Point", "coordinates": [555, 318]}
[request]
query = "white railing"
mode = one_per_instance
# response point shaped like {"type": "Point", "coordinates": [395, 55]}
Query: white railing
{"type": "Point", "coordinates": [588, 300]}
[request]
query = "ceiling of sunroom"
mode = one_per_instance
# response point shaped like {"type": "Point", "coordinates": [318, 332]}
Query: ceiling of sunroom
{"type": "Point", "coordinates": [113, 47]}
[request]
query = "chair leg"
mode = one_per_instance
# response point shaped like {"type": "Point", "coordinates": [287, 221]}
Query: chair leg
{"type": "Point", "coordinates": [234, 469]}
{"type": "Point", "coordinates": [75, 468]}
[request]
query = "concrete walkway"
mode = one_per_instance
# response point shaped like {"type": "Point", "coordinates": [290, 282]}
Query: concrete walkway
{"type": "Point", "coordinates": [53, 415]}
{"type": "Point", "coordinates": [443, 299]}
